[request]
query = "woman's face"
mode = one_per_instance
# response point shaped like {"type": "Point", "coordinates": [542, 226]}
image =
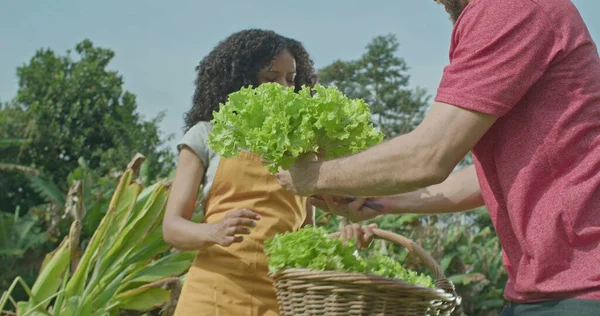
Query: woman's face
{"type": "Point", "coordinates": [282, 70]}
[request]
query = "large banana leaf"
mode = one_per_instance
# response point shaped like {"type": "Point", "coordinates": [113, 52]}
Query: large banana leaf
{"type": "Point", "coordinates": [46, 188]}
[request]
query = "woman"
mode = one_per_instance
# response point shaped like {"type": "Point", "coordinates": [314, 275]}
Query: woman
{"type": "Point", "coordinates": [229, 275]}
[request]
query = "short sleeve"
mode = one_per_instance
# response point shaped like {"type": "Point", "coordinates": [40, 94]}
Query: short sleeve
{"type": "Point", "coordinates": [499, 51]}
{"type": "Point", "coordinates": [196, 138]}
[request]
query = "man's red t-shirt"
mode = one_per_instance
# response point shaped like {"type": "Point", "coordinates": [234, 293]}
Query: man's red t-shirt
{"type": "Point", "coordinates": [533, 64]}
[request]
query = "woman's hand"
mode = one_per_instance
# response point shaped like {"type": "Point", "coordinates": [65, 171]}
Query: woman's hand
{"type": "Point", "coordinates": [363, 235]}
{"type": "Point", "coordinates": [230, 229]}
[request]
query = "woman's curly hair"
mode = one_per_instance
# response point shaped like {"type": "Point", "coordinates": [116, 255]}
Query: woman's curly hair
{"type": "Point", "coordinates": [235, 62]}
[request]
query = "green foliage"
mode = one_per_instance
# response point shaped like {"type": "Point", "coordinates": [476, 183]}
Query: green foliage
{"type": "Point", "coordinates": [466, 161]}
{"type": "Point", "coordinates": [281, 125]}
{"type": "Point", "coordinates": [53, 214]}
{"type": "Point", "coordinates": [18, 234]}
{"type": "Point", "coordinates": [467, 249]}
{"type": "Point", "coordinates": [13, 173]}
{"type": "Point", "coordinates": [22, 245]}
{"type": "Point", "coordinates": [125, 265]}
{"type": "Point", "coordinates": [22, 239]}
{"type": "Point", "coordinates": [380, 78]}
{"type": "Point", "coordinates": [310, 248]}
{"type": "Point", "coordinates": [11, 142]}
{"type": "Point", "coordinates": [50, 220]}
{"type": "Point", "coordinates": [465, 245]}
{"type": "Point", "coordinates": [69, 107]}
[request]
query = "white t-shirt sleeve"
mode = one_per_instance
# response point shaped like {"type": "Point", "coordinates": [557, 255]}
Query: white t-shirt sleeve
{"type": "Point", "coordinates": [196, 139]}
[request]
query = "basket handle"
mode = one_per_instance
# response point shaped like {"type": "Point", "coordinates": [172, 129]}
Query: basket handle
{"type": "Point", "coordinates": [441, 281]}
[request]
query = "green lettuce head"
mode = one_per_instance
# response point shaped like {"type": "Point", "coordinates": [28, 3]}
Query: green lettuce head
{"type": "Point", "coordinates": [280, 124]}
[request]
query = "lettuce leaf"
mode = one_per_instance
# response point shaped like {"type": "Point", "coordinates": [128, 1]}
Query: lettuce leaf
{"type": "Point", "coordinates": [310, 248]}
{"type": "Point", "coordinates": [280, 124]}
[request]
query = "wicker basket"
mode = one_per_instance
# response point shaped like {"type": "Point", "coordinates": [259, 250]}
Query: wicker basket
{"type": "Point", "coordinates": [332, 293]}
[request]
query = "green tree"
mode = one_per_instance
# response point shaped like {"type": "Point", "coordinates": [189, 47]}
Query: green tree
{"type": "Point", "coordinates": [75, 107]}
{"type": "Point", "coordinates": [380, 77]}
{"type": "Point", "coordinates": [13, 173]}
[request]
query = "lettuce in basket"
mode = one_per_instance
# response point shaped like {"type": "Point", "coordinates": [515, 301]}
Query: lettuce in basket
{"type": "Point", "coordinates": [310, 248]}
{"type": "Point", "coordinates": [280, 124]}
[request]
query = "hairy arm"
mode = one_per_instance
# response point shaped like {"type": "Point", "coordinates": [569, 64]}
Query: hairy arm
{"type": "Point", "coordinates": [422, 158]}
{"type": "Point", "coordinates": [459, 192]}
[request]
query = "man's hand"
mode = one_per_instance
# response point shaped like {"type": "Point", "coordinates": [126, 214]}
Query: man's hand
{"type": "Point", "coordinates": [302, 176]}
{"type": "Point", "coordinates": [424, 157]}
{"type": "Point", "coordinates": [357, 210]}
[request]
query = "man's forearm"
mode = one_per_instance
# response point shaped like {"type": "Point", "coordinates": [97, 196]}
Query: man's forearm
{"type": "Point", "coordinates": [403, 164]}
{"type": "Point", "coordinates": [424, 157]}
{"type": "Point", "coordinates": [460, 192]}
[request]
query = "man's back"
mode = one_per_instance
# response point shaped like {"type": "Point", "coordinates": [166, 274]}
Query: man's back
{"type": "Point", "coordinates": [533, 64]}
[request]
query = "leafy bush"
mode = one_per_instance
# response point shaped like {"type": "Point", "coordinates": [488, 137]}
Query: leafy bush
{"type": "Point", "coordinates": [125, 265]}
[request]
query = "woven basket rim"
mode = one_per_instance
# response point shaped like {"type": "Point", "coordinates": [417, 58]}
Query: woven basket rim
{"type": "Point", "coordinates": [362, 279]}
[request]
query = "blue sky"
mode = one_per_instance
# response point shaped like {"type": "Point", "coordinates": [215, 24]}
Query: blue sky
{"type": "Point", "coordinates": [159, 43]}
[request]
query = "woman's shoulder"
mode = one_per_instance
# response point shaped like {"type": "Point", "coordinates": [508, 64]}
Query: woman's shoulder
{"type": "Point", "coordinates": [201, 128]}
{"type": "Point", "coordinates": [196, 138]}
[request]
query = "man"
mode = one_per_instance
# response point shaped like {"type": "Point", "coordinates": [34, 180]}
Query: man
{"type": "Point", "coordinates": [522, 91]}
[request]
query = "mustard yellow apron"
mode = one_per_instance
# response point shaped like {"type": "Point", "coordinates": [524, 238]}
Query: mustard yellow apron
{"type": "Point", "coordinates": [234, 281]}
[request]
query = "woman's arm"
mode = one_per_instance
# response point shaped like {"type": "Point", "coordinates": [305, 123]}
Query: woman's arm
{"type": "Point", "coordinates": [178, 230]}
{"type": "Point", "coordinates": [184, 234]}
